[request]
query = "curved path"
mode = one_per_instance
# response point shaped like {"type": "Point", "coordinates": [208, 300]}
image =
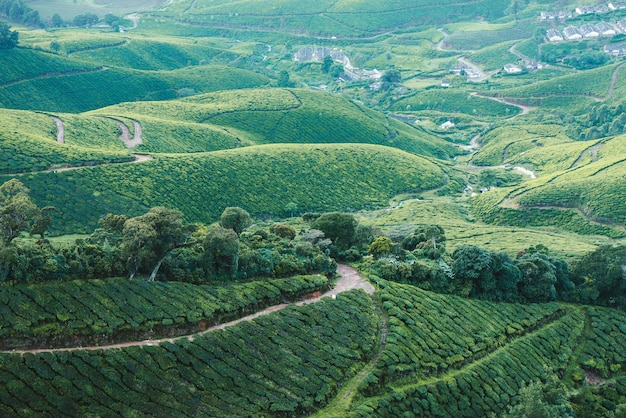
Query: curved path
{"type": "Point", "coordinates": [60, 130]}
{"type": "Point", "coordinates": [349, 280]}
{"type": "Point", "coordinates": [138, 158]}
{"type": "Point", "coordinates": [125, 135]}
{"type": "Point", "coordinates": [525, 108]}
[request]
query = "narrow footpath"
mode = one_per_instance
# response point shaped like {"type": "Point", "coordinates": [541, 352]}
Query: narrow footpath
{"type": "Point", "coordinates": [349, 280]}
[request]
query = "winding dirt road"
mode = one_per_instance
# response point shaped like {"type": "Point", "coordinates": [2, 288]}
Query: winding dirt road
{"type": "Point", "coordinates": [60, 130]}
{"type": "Point", "coordinates": [125, 135]}
{"type": "Point", "coordinates": [349, 280]}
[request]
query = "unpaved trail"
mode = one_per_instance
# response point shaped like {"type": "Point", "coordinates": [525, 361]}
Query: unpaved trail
{"type": "Point", "coordinates": [349, 280]}
{"type": "Point", "coordinates": [125, 135]}
{"type": "Point", "coordinates": [609, 93]}
{"type": "Point", "coordinates": [137, 159]}
{"type": "Point", "coordinates": [60, 130]}
{"type": "Point", "coordinates": [525, 108]}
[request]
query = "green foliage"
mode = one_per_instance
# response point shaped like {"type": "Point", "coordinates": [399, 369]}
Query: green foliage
{"type": "Point", "coordinates": [235, 218]}
{"type": "Point", "coordinates": [8, 37]}
{"type": "Point", "coordinates": [148, 238]}
{"type": "Point", "coordinates": [431, 334]}
{"type": "Point", "coordinates": [16, 210]}
{"type": "Point", "coordinates": [261, 367]}
{"type": "Point", "coordinates": [334, 18]}
{"type": "Point", "coordinates": [42, 93]}
{"type": "Point", "coordinates": [18, 11]}
{"type": "Point", "coordinates": [587, 83]}
{"type": "Point", "coordinates": [599, 277]}
{"type": "Point", "coordinates": [448, 101]}
{"type": "Point", "coordinates": [259, 116]}
{"type": "Point", "coordinates": [261, 179]}
{"type": "Point", "coordinates": [120, 309]}
{"type": "Point", "coordinates": [221, 248]}
{"type": "Point", "coordinates": [542, 400]}
{"type": "Point", "coordinates": [29, 141]}
{"type": "Point", "coordinates": [428, 240]}
{"type": "Point", "coordinates": [339, 227]}
{"type": "Point", "coordinates": [381, 246]}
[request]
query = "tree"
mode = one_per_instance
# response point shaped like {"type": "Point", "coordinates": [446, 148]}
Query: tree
{"type": "Point", "coordinates": [221, 249]}
{"type": "Point", "coordinates": [338, 227]}
{"type": "Point", "coordinates": [392, 77]}
{"type": "Point", "coordinates": [56, 21]}
{"type": "Point", "coordinates": [381, 246]}
{"type": "Point", "coordinates": [16, 210]}
{"type": "Point", "coordinates": [235, 218]}
{"type": "Point", "coordinates": [55, 46]}
{"type": "Point", "coordinates": [337, 71]}
{"type": "Point", "coordinates": [487, 179]}
{"type": "Point", "coordinates": [283, 231]}
{"type": "Point", "coordinates": [538, 278]}
{"type": "Point", "coordinates": [42, 221]}
{"type": "Point", "coordinates": [291, 209]}
{"type": "Point", "coordinates": [327, 63]}
{"type": "Point", "coordinates": [426, 238]}
{"type": "Point", "coordinates": [147, 239]}
{"type": "Point", "coordinates": [8, 37]}
{"type": "Point", "coordinates": [600, 276]}
{"type": "Point", "coordinates": [472, 267]}
{"type": "Point", "coordinates": [284, 79]}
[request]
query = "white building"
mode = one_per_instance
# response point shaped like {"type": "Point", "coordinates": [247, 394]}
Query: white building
{"type": "Point", "coordinates": [589, 31]}
{"type": "Point", "coordinates": [554, 35]}
{"type": "Point", "coordinates": [447, 125]}
{"type": "Point", "coordinates": [617, 5]}
{"type": "Point", "coordinates": [572, 33]}
{"type": "Point", "coordinates": [615, 49]}
{"type": "Point", "coordinates": [606, 29]}
{"type": "Point", "coordinates": [512, 69]}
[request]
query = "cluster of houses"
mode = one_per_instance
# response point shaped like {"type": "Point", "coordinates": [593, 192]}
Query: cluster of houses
{"type": "Point", "coordinates": [583, 10]}
{"type": "Point", "coordinates": [586, 31]}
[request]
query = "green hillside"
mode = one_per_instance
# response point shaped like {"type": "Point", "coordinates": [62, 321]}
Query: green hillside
{"type": "Point", "coordinates": [79, 91]}
{"type": "Point", "coordinates": [99, 311]}
{"type": "Point", "coordinates": [29, 142]}
{"type": "Point", "coordinates": [263, 180]}
{"type": "Point", "coordinates": [228, 119]}
{"type": "Point", "coordinates": [585, 196]}
{"type": "Point", "coordinates": [341, 18]}
{"type": "Point", "coordinates": [289, 362]}
{"type": "Point", "coordinates": [422, 352]}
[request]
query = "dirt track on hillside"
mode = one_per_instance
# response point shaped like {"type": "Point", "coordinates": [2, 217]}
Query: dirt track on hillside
{"type": "Point", "coordinates": [349, 280]}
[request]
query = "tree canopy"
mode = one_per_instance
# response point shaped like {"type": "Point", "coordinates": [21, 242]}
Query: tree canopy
{"type": "Point", "coordinates": [148, 238]}
{"type": "Point", "coordinates": [16, 210]}
{"type": "Point", "coordinates": [235, 218]}
{"type": "Point", "coordinates": [8, 37]}
{"type": "Point", "coordinates": [338, 227]}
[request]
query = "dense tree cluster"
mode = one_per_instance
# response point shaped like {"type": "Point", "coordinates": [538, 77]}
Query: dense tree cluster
{"type": "Point", "coordinates": [18, 11]}
{"type": "Point", "coordinates": [156, 244]}
{"type": "Point", "coordinates": [159, 245]}
{"type": "Point", "coordinates": [532, 276]}
{"type": "Point", "coordinates": [8, 37]}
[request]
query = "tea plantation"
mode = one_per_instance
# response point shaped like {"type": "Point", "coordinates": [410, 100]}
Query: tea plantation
{"type": "Point", "coordinates": [225, 156]}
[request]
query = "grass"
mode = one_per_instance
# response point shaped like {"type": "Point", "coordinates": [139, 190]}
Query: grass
{"type": "Point", "coordinates": [230, 119]}
{"type": "Point", "coordinates": [463, 227]}
{"type": "Point", "coordinates": [29, 142]}
{"type": "Point", "coordinates": [262, 180]}
{"type": "Point", "coordinates": [43, 93]}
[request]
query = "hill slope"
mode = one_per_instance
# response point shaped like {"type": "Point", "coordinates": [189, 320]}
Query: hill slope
{"type": "Point", "coordinates": [228, 119]}
{"type": "Point", "coordinates": [263, 180]}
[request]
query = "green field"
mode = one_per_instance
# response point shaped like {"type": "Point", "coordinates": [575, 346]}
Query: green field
{"type": "Point", "coordinates": [195, 112]}
{"type": "Point", "coordinates": [260, 179]}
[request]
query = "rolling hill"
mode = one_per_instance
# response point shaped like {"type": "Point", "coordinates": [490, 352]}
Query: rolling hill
{"type": "Point", "coordinates": [262, 179]}
{"type": "Point", "coordinates": [229, 119]}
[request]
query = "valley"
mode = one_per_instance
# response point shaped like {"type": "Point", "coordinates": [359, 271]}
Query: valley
{"type": "Point", "coordinates": [332, 209]}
